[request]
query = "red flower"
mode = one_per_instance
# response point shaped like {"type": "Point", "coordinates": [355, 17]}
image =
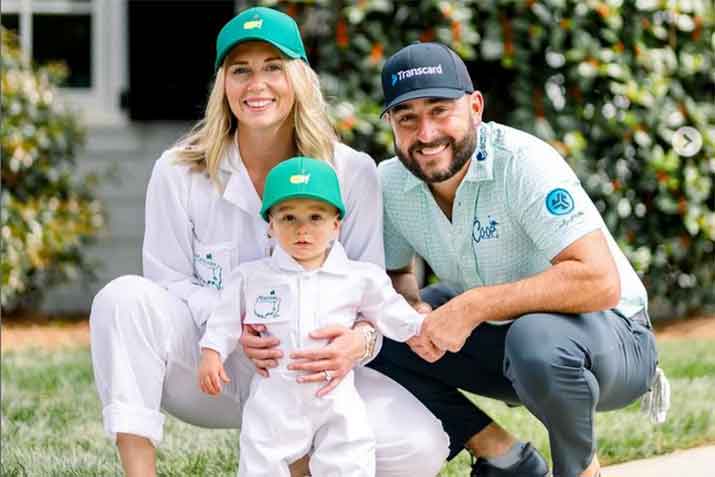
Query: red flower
{"type": "Point", "coordinates": [603, 10]}
{"type": "Point", "coordinates": [376, 53]}
{"type": "Point", "coordinates": [456, 30]}
{"type": "Point", "coordinates": [341, 34]}
{"type": "Point", "coordinates": [427, 35]}
{"type": "Point", "coordinates": [698, 27]}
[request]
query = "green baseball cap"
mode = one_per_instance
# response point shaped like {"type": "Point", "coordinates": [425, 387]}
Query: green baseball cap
{"type": "Point", "coordinates": [302, 177]}
{"type": "Point", "coordinates": [264, 24]}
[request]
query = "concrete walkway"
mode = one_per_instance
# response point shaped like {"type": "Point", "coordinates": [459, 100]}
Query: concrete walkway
{"type": "Point", "coordinates": [698, 462]}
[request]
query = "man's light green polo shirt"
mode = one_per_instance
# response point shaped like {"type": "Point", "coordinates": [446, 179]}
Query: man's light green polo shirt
{"type": "Point", "coordinates": [518, 206]}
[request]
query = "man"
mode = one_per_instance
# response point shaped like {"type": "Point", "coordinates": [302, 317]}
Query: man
{"type": "Point", "coordinates": [536, 304]}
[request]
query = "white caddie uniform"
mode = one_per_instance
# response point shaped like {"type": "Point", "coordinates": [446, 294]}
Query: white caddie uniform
{"type": "Point", "coordinates": [283, 419]}
{"type": "Point", "coordinates": [145, 330]}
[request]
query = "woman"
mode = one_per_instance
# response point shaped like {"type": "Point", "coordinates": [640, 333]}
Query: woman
{"type": "Point", "coordinates": [202, 220]}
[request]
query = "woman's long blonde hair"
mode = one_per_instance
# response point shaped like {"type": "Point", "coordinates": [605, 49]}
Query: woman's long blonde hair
{"type": "Point", "coordinates": [205, 145]}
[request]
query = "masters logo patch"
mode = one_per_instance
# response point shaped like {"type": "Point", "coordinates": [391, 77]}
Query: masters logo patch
{"type": "Point", "coordinates": [268, 307]}
{"type": "Point", "coordinates": [250, 25]}
{"type": "Point", "coordinates": [300, 179]}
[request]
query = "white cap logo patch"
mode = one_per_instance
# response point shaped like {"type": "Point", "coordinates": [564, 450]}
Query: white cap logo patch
{"type": "Point", "coordinates": [300, 179]}
{"type": "Point", "coordinates": [253, 24]}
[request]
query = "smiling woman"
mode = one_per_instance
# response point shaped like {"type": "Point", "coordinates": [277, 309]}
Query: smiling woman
{"type": "Point", "coordinates": [257, 88]}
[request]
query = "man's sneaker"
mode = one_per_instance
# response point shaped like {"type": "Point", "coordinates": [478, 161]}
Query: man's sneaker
{"type": "Point", "coordinates": [531, 464]}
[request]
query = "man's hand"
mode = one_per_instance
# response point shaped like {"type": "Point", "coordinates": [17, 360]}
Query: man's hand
{"type": "Point", "coordinates": [425, 349]}
{"type": "Point", "coordinates": [447, 328]}
{"type": "Point", "coordinates": [211, 372]}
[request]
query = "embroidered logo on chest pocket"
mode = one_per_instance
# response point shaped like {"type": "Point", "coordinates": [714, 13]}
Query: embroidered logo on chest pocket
{"type": "Point", "coordinates": [267, 307]}
{"type": "Point", "coordinates": [207, 272]}
{"type": "Point", "coordinates": [268, 304]}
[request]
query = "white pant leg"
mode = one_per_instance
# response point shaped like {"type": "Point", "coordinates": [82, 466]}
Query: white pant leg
{"type": "Point", "coordinates": [275, 430]}
{"type": "Point", "coordinates": [145, 356]}
{"type": "Point", "coordinates": [344, 443]}
{"type": "Point", "coordinates": [410, 440]}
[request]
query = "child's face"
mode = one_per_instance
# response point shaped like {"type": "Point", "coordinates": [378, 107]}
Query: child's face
{"type": "Point", "coordinates": [304, 228]}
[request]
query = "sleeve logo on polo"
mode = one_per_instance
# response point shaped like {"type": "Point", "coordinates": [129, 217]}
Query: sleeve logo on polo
{"type": "Point", "coordinates": [559, 202]}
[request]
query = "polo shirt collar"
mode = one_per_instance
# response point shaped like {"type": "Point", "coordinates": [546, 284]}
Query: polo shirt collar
{"type": "Point", "coordinates": [481, 166]}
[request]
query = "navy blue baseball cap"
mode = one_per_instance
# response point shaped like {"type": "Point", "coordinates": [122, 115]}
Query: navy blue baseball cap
{"type": "Point", "coordinates": [424, 70]}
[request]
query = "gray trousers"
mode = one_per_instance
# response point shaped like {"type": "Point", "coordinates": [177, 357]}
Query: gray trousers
{"type": "Point", "coordinates": [562, 368]}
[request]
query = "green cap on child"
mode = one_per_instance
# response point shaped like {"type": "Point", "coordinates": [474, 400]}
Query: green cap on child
{"type": "Point", "coordinates": [302, 177]}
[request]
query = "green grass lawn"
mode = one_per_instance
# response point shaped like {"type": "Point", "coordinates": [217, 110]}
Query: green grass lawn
{"type": "Point", "coordinates": [51, 420]}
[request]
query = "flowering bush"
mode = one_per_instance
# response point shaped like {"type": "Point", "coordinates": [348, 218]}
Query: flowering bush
{"type": "Point", "coordinates": [606, 82]}
{"type": "Point", "coordinates": [48, 213]}
{"type": "Point", "coordinates": [609, 89]}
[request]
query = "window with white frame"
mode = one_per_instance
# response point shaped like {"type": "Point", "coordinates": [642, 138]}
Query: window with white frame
{"type": "Point", "coordinates": [78, 33]}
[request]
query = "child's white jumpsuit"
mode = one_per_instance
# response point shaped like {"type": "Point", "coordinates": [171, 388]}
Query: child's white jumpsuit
{"type": "Point", "coordinates": [283, 420]}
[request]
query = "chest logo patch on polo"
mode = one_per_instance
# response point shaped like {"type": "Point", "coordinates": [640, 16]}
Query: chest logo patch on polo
{"type": "Point", "coordinates": [268, 307]}
{"type": "Point", "coordinates": [486, 231]}
{"type": "Point", "coordinates": [559, 202]}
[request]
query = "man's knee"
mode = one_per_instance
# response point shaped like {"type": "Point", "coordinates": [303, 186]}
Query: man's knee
{"type": "Point", "coordinates": [538, 359]}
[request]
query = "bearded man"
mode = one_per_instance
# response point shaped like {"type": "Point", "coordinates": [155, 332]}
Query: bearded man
{"type": "Point", "coordinates": [536, 305]}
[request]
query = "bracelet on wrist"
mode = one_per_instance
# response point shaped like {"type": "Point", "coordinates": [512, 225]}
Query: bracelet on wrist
{"type": "Point", "coordinates": [370, 336]}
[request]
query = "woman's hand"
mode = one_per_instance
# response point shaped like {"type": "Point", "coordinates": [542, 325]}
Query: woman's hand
{"type": "Point", "coordinates": [211, 372]}
{"type": "Point", "coordinates": [332, 362]}
{"type": "Point", "coordinates": [262, 351]}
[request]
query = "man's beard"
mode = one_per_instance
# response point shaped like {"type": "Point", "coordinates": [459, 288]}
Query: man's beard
{"type": "Point", "coordinates": [462, 151]}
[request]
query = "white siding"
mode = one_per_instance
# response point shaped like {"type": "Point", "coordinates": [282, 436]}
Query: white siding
{"type": "Point", "coordinates": [131, 150]}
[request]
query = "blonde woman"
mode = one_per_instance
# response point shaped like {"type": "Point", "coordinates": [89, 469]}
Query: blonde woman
{"type": "Point", "coordinates": [202, 221]}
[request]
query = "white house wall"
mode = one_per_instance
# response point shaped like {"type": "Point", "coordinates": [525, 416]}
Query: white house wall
{"type": "Point", "coordinates": [131, 150]}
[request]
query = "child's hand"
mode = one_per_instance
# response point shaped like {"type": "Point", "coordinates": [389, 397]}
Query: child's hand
{"type": "Point", "coordinates": [211, 372]}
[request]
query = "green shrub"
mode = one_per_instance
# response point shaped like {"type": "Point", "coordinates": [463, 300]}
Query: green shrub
{"type": "Point", "coordinates": [609, 88]}
{"type": "Point", "coordinates": [49, 214]}
{"type": "Point", "coordinates": [607, 82]}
